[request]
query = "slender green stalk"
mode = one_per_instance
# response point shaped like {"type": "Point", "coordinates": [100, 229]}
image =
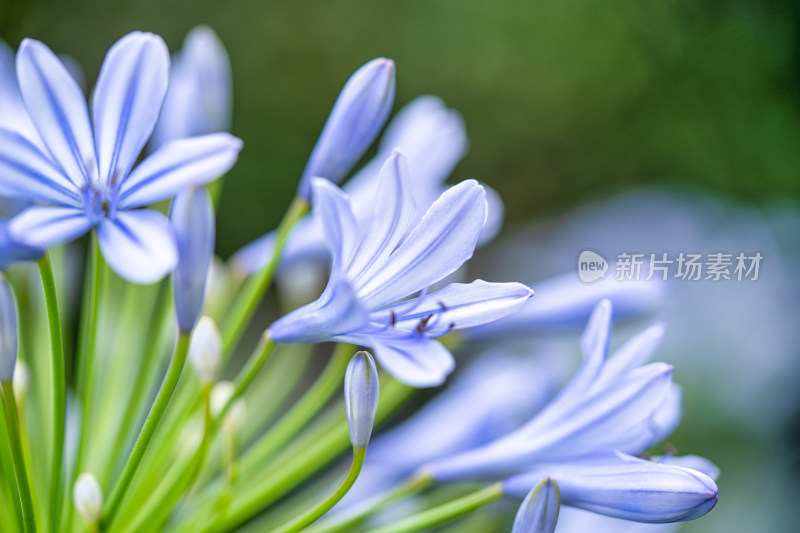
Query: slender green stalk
{"type": "Point", "coordinates": [10, 404]}
{"type": "Point", "coordinates": [87, 343]}
{"type": "Point", "coordinates": [150, 424]}
{"type": "Point", "coordinates": [309, 517]}
{"type": "Point", "coordinates": [443, 513]}
{"type": "Point", "coordinates": [7, 470]}
{"type": "Point", "coordinates": [249, 372]}
{"type": "Point", "coordinates": [347, 520]}
{"type": "Point", "coordinates": [314, 399]}
{"type": "Point", "coordinates": [59, 390]}
{"type": "Point", "coordinates": [255, 287]}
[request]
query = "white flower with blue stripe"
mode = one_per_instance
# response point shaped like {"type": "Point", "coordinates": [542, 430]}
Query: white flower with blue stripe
{"type": "Point", "coordinates": [86, 177]}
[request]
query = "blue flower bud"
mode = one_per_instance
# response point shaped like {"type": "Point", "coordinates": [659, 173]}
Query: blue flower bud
{"type": "Point", "coordinates": [361, 398]}
{"type": "Point", "coordinates": [539, 510]}
{"type": "Point", "coordinates": [192, 217]}
{"type": "Point", "coordinates": [8, 331]}
{"type": "Point", "coordinates": [205, 350]}
{"type": "Point", "coordinates": [355, 121]}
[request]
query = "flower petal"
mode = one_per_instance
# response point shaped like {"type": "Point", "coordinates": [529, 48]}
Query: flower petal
{"type": "Point", "coordinates": [443, 240]}
{"type": "Point", "coordinates": [416, 361]}
{"type": "Point", "coordinates": [333, 213]}
{"type": "Point", "coordinates": [336, 312]}
{"type": "Point", "coordinates": [194, 161]}
{"type": "Point", "coordinates": [127, 100]}
{"type": "Point", "coordinates": [29, 174]}
{"type": "Point", "coordinates": [57, 107]}
{"type": "Point", "coordinates": [634, 353]}
{"type": "Point", "coordinates": [393, 213]}
{"type": "Point", "coordinates": [539, 510]}
{"type": "Point", "coordinates": [459, 305]}
{"type": "Point", "coordinates": [11, 250]}
{"type": "Point", "coordinates": [48, 226]}
{"type": "Point", "coordinates": [139, 245]}
{"type": "Point", "coordinates": [626, 487]}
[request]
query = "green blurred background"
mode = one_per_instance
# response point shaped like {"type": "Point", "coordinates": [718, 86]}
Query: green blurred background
{"type": "Point", "coordinates": [563, 100]}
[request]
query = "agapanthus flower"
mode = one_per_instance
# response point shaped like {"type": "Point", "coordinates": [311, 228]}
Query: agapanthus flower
{"type": "Point", "coordinates": [433, 139]}
{"type": "Point", "coordinates": [376, 266]}
{"type": "Point", "coordinates": [616, 403]}
{"type": "Point", "coordinates": [86, 177]}
{"type": "Point", "coordinates": [200, 95]}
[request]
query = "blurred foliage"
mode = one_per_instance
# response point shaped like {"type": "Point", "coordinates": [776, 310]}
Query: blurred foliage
{"type": "Point", "coordinates": [563, 100]}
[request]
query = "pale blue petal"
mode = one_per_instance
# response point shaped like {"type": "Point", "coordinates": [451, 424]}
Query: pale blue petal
{"type": "Point", "coordinates": [416, 361]}
{"type": "Point", "coordinates": [628, 488]}
{"type": "Point", "coordinates": [394, 211]}
{"type": "Point", "coordinates": [13, 115]}
{"type": "Point", "coordinates": [194, 161]}
{"type": "Point", "coordinates": [693, 462]}
{"type": "Point", "coordinates": [48, 226]}
{"type": "Point", "coordinates": [192, 216]}
{"type": "Point", "coordinates": [127, 99]}
{"type": "Point", "coordinates": [539, 510]}
{"type": "Point", "coordinates": [9, 332]}
{"type": "Point", "coordinates": [494, 216]}
{"type": "Point", "coordinates": [457, 306]}
{"type": "Point", "coordinates": [566, 302]}
{"type": "Point", "coordinates": [199, 99]}
{"type": "Point", "coordinates": [57, 107]}
{"type": "Point", "coordinates": [139, 245]}
{"type": "Point", "coordinates": [337, 312]}
{"type": "Point", "coordinates": [664, 420]}
{"type": "Point", "coordinates": [333, 213]}
{"type": "Point", "coordinates": [355, 120]}
{"type": "Point", "coordinates": [29, 174]}
{"type": "Point", "coordinates": [443, 240]}
{"type": "Point", "coordinates": [634, 353]}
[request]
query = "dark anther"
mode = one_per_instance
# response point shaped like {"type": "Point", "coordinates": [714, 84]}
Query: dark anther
{"type": "Point", "coordinates": [441, 304]}
{"type": "Point", "coordinates": [423, 324]}
{"type": "Point", "coordinates": [394, 318]}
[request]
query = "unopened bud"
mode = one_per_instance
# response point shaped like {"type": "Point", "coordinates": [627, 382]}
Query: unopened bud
{"type": "Point", "coordinates": [8, 331]}
{"type": "Point", "coordinates": [355, 120]}
{"type": "Point", "coordinates": [88, 498]}
{"type": "Point", "coordinates": [234, 419]}
{"type": "Point", "coordinates": [361, 393]}
{"type": "Point", "coordinates": [205, 350]}
{"type": "Point", "coordinates": [539, 510]}
{"type": "Point", "coordinates": [21, 382]}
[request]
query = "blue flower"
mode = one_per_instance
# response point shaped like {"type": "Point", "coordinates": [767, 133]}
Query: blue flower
{"type": "Point", "coordinates": [199, 99]}
{"type": "Point", "coordinates": [86, 175]}
{"type": "Point", "coordinates": [622, 486]}
{"type": "Point", "coordinates": [433, 139]}
{"type": "Point", "coordinates": [539, 510]}
{"type": "Point", "coordinates": [376, 266]}
{"type": "Point", "coordinates": [609, 404]}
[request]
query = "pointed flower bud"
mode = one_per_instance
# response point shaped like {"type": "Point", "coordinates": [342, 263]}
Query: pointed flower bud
{"type": "Point", "coordinates": [539, 510]}
{"type": "Point", "coordinates": [234, 419]}
{"type": "Point", "coordinates": [205, 350]}
{"type": "Point", "coordinates": [88, 497]}
{"type": "Point", "coordinates": [192, 217]}
{"type": "Point", "coordinates": [356, 119]}
{"type": "Point", "coordinates": [21, 382]}
{"type": "Point", "coordinates": [361, 398]}
{"type": "Point", "coordinates": [8, 331]}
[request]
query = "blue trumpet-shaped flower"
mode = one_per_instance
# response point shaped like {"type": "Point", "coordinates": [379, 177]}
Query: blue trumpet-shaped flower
{"type": "Point", "coordinates": [376, 266]}
{"type": "Point", "coordinates": [609, 404]}
{"type": "Point", "coordinates": [85, 176]}
{"type": "Point", "coordinates": [622, 486]}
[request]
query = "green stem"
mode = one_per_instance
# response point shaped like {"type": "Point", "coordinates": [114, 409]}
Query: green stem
{"type": "Point", "coordinates": [10, 404]}
{"type": "Point", "coordinates": [249, 372]}
{"type": "Point", "coordinates": [443, 513]}
{"type": "Point", "coordinates": [86, 349]}
{"type": "Point", "coordinates": [148, 429]}
{"type": "Point", "coordinates": [255, 287]}
{"type": "Point", "coordinates": [59, 390]}
{"type": "Point", "coordinates": [347, 520]}
{"type": "Point", "coordinates": [309, 517]}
